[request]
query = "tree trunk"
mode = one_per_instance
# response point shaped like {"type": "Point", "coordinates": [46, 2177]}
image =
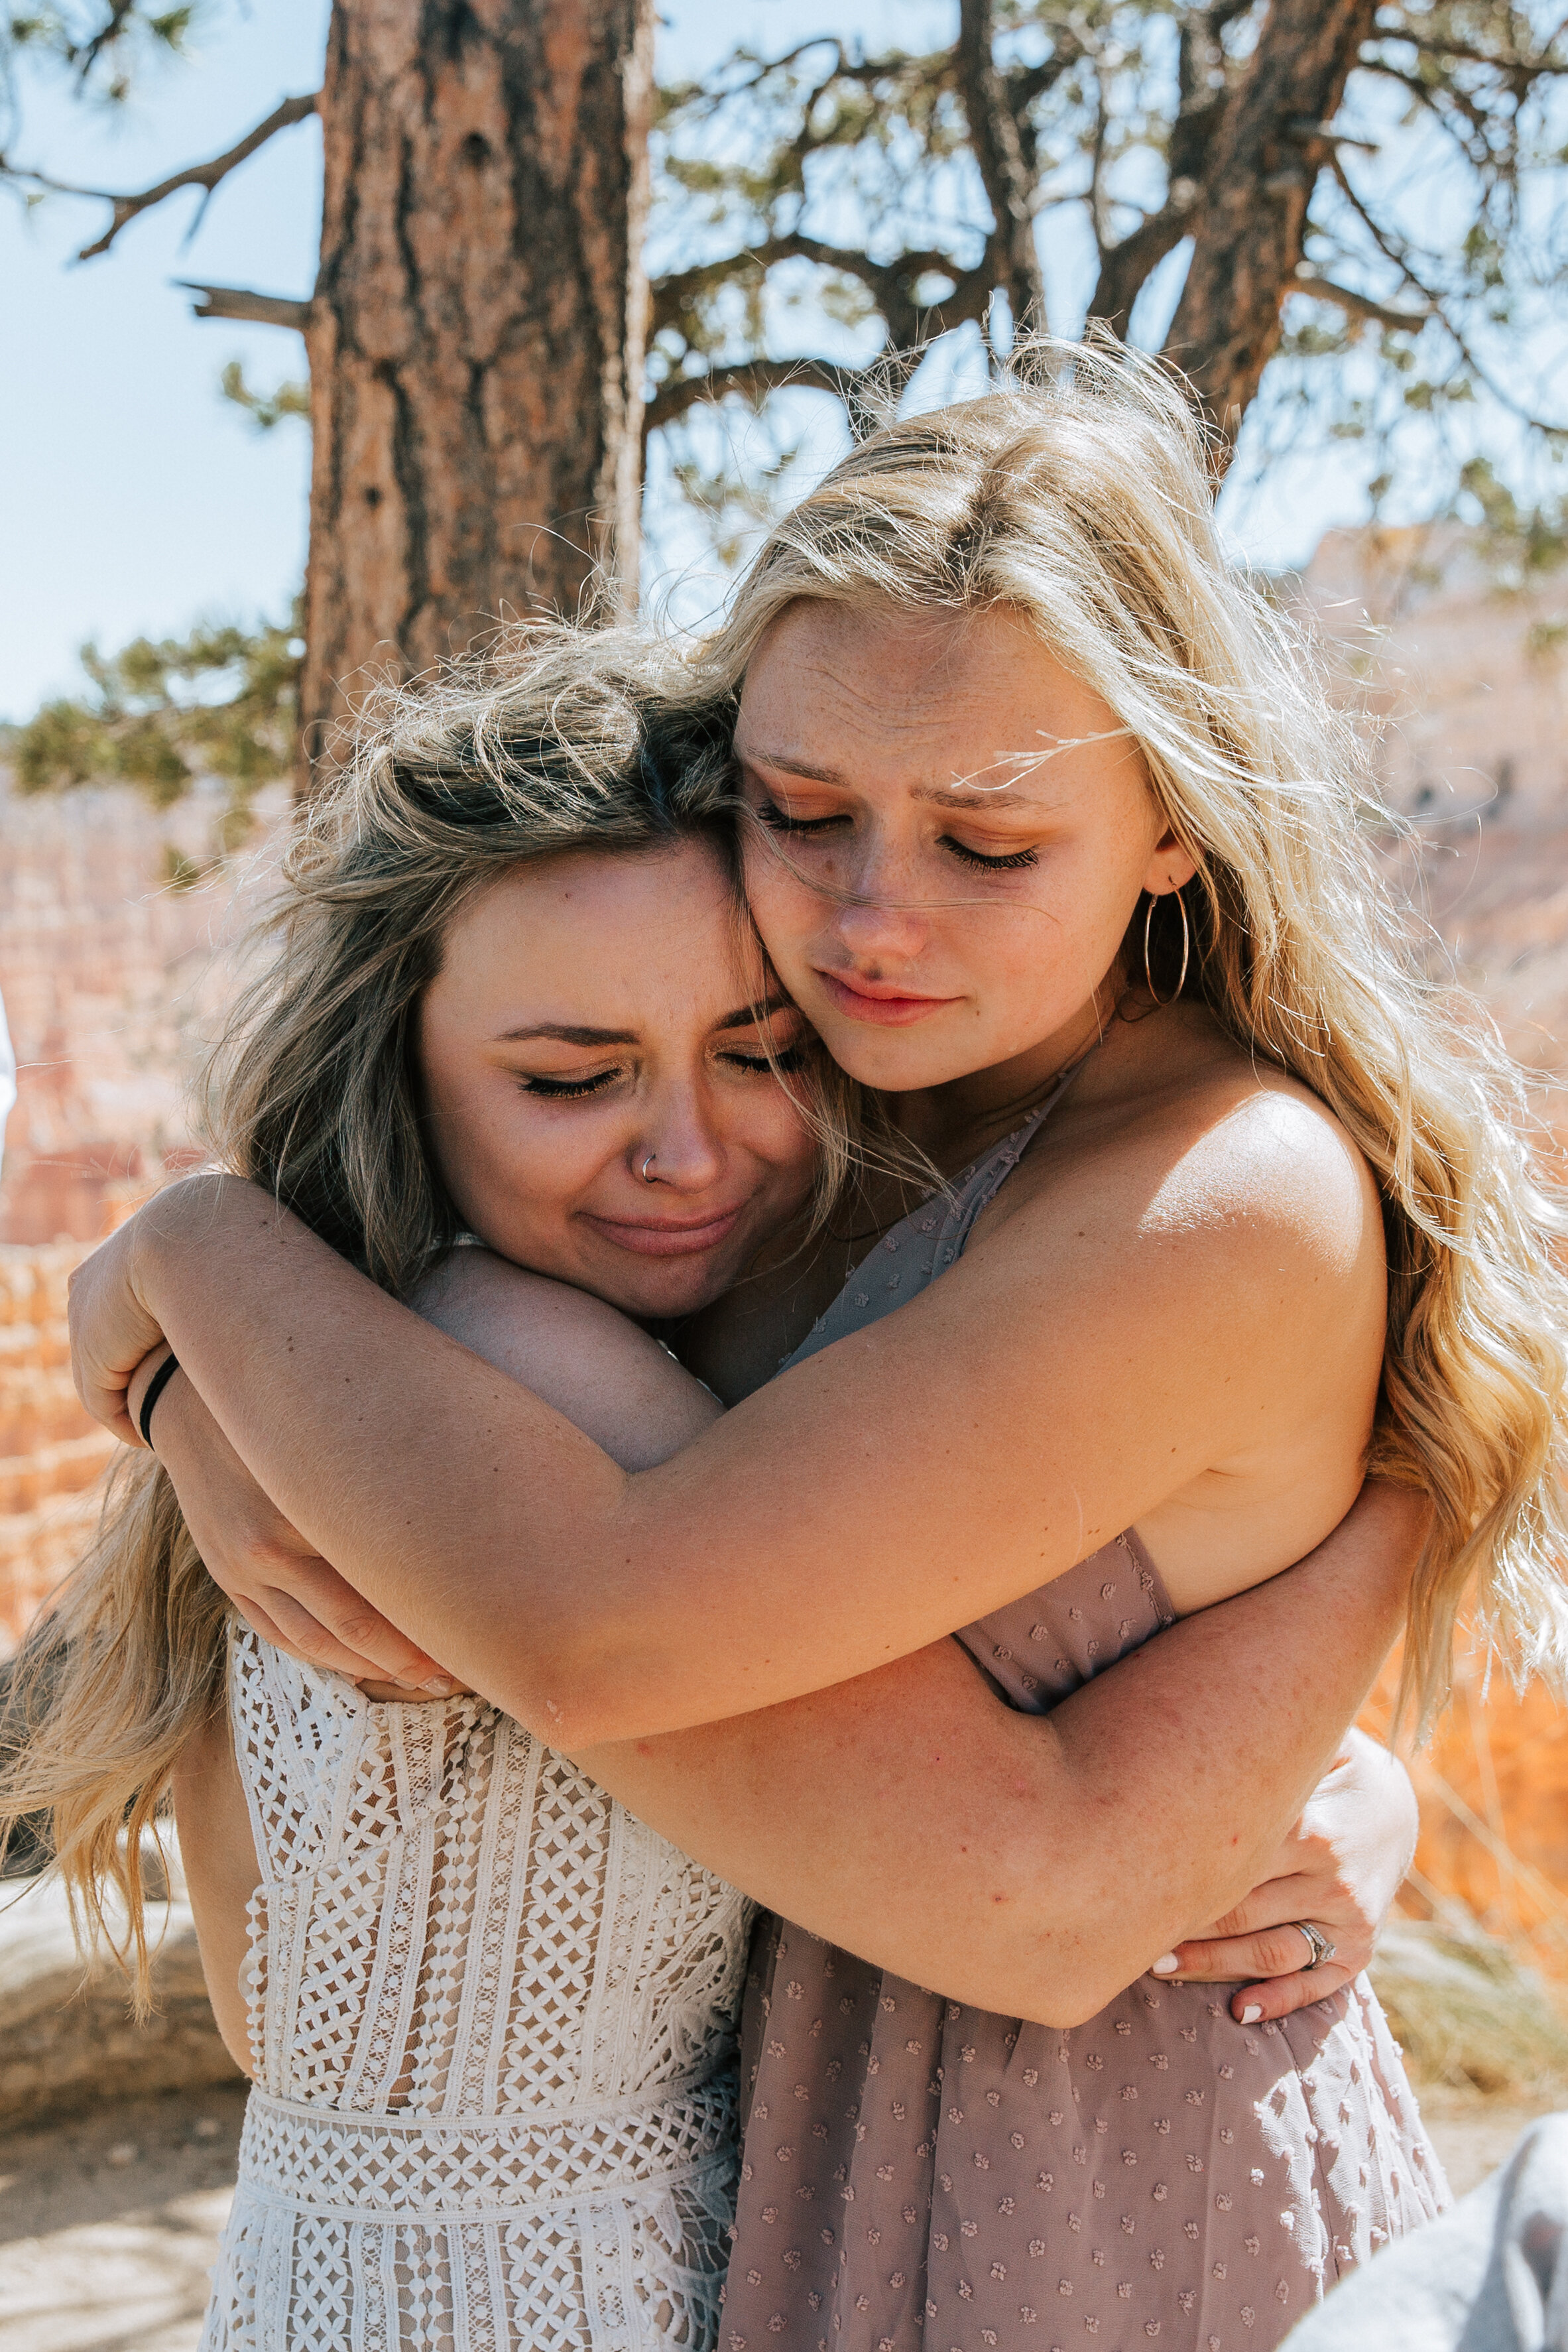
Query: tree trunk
{"type": "Point", "coordinates": [1250, 227]}
{"type": "Point", "coordinates": [994, 136]}
{"type": "Point", "coordinates": [477, 335]}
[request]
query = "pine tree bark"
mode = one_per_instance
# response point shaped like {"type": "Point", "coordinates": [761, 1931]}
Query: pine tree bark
{"type": "Point", "coordinates": [994, 136]}
{"type": "Point", "coordinates": [477, 334]}
{"type": "Point", "coordinates": [1250, 225]}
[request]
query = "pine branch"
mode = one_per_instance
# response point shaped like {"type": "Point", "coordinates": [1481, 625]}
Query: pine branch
{"type": "Point", "coordinates": [205, 176]}
{"type": "Point", "coordinates": [1124, 267]}
{"type": "Point", "coordinates": [240, 302]}
{"type": "Point", "coordinates": [1318, 288]}
{"type": "Point", "coordinates": [888, 282]}
{"type": "Point", "coordinates": [1394, 252]}
{"type": "Point", "coordinates": [753, 380]}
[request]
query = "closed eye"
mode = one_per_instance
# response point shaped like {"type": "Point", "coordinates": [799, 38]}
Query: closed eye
{"type": "Point", "coordinates": [779, 820]}
{"type": "Point", "coordinates": [1012, 859]}
{"type": "Point", "coordinates": [569, 1089]}
{"type": "Point", "coordinates": [788, 1057]}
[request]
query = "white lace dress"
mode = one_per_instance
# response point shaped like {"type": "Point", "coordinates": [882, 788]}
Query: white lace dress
{"type": "Point", "coordinates": [491, 2016]}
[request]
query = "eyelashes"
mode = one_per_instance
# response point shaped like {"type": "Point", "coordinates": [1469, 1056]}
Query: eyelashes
{"type": "Point", "coordinates": [779, 821]}
{"type": "Point", "coordinates": [788, 1060]}
{"type": "Point", "coordinates": [788, 1057]}
{"type": "Point", "coordinates": [1010, 863]}
{"type": "Point", "coordinates": [569, 1089]}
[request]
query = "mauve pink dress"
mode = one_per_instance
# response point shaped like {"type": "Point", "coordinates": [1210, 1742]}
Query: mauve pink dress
{"type": "Point", "coordinates": [919, 2175]}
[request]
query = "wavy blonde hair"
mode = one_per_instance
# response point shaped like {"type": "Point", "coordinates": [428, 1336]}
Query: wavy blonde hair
{"type": "Point", "coordinates": [565, 742]}
{"type": "Point", "coordinates": [1079, 497]}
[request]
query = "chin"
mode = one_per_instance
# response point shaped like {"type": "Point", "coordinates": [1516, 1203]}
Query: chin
{"type": "Point", "coordinates": [894, 1063]}
{"type": "Point", "coordinates": [665, 1295]}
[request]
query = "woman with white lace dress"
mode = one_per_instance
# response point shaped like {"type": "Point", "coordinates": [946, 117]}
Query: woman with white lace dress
{"type": "Point", "coordinates": [488, 2010]}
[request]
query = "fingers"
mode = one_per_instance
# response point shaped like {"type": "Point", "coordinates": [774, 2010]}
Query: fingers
{"type": "Point", "coordinates": [255, 1616]}
{"type": "Point", "coordinates": [1274, 1904]}
{"type": "Point", "coordinates": [1256, 2005]}
{"type": "Point", "coordinates": [306, 1638]}
{"type": "Point", "coordinates": [333, 1626]}
{"type": "Point", "coordinates": [111, 1333]}
{"type": "Point", "coordinates": [310, 1642]}
{"type": "Point", "coordinates": [1278, 1951]}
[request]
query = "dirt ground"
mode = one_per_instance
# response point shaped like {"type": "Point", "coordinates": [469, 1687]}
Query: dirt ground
{"type": "Point", "coordinates": [109, 2225]}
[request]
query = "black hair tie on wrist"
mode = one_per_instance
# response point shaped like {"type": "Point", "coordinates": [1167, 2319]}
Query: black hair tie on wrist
{"type": "Point", "coordinates": [155, 1388]}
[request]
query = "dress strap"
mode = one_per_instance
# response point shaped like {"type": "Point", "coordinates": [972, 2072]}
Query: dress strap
{"type": "Point", "coordinates": [978, 1187]}
{"type": "Point", "coordinates": [924, 1244]}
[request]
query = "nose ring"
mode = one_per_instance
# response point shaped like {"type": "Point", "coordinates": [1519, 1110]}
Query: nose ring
{"type": "Point", "coordinates": [646, 1165]}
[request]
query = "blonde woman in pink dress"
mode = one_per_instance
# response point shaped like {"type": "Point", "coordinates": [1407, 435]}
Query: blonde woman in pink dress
{"type": "Point", "coordinates": [1056, 846]}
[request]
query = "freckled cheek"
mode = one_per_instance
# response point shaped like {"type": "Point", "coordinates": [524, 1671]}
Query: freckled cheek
{"type": "Point", "coordinates": [789, 914]}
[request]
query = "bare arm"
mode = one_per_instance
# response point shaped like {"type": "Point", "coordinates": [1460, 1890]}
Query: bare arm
{"type": "Point", "coordinates": [949, 1455]}
{"type": "Point", "coordinates": [1033, 1868]}
{"type": "Point", "coordinates": [217, 1852]}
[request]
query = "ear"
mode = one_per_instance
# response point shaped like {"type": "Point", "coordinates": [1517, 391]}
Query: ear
{"type": "Point", "coordinates": [1169, 869]}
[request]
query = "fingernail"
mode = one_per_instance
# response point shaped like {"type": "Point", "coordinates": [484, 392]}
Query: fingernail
{"type": "Point", "coordinates": [1166, 1966]}
{"type": "Point", "coordinates": [1252, 2013]}
{"type": "Point", "coordinates": [439, 1687]}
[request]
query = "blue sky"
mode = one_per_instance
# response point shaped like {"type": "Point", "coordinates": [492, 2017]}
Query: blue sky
{"type": "Point", "coordinates": [133, 497]}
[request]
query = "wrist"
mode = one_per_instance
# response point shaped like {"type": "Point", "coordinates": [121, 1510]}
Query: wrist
{"type": "Point", "coordinates": [139, 1383]}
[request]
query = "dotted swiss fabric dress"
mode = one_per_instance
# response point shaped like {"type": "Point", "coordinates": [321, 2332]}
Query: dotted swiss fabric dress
{"type": "Point", "coordinates": [918, 2176]}
{"type": "Point", "coordinates": [492, 2019]}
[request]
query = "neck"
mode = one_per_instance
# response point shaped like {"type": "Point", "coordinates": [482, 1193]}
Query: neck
{"type": "Point", "coordinates": [953, 1123]}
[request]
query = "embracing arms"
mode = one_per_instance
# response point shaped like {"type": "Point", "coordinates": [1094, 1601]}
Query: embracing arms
{"type": "Point", "coordinates": [912, 1477]}
{"type": "Point", "coordinates": [1034, 1867]}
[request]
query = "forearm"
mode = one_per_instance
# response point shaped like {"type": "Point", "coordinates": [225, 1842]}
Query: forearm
{"type": "Point", "coordinates": [1035, 1867]}
{"type": "Point", "coordinates": [315, 1377]}
{"type": "Point", "coordinates": [494, 1532]}
{"type": "Point", "coordinates": [513, 1549]}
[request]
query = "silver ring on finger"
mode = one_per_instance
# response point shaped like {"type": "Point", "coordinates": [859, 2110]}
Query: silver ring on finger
{"type": "Point", "coordinates": [1318, 1945]}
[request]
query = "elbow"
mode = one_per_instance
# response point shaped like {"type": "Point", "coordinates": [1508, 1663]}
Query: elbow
{"type": "Point", "coordinates": [574, 1695]}
{"type": "Point", "coordinates": [1069, 1960]}
{"type": "Point", "coordinates": [1065, 1988]}
{"type": "Point", "coordinates": [1074, 1997]}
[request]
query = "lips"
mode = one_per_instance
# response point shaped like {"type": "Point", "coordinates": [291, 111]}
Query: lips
{"type": "Point", "coordinates": [665, 1237]}
{"type": "Point", "coordinates": [878, 1001]}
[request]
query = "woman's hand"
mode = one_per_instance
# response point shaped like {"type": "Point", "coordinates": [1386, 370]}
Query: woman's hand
{"type": "Point", "coordinates": [251, 1550]}
{"type": "Point", "coordinates": [1340, 1867]}
{"type": "Point", "coordinates": [112, 1331]}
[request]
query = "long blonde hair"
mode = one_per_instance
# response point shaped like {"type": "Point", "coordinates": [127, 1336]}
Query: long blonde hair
{"type": "Point", "coordinates": [563, 742]}
{"type": "Point", "coordinates": [1079, 497]}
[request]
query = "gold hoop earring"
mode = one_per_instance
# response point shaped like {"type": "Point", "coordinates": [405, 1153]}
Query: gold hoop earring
{"type": "Point", "coordinates": [1185, 948]}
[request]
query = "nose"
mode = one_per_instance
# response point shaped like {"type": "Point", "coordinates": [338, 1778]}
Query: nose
{"type": "Point", "coordinates": [885, 919]}
{"type": "Point", "coordinates": [680, 1146]}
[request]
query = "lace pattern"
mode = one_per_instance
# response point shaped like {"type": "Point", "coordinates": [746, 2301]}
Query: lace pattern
{"type": "Point", "coordinates": [492, 2019]}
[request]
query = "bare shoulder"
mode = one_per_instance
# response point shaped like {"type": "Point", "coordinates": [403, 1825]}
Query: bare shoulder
{"type": "Point", "coordinates": [1187, 1150]}
{"type": "Point", "coordinates": [615, 1379]}
{"type": "Point", "coordinates": [1258, 1152]}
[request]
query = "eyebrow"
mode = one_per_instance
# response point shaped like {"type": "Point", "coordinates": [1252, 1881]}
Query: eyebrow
{"type": "Point", "coordinates": [964, 796]}
{"type": "Point", "coordinates": [745, 1016]}
{"type": "Point", "coordinates": [974, 797]}
{"type": "Point", "coordinates": [794, 767]}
